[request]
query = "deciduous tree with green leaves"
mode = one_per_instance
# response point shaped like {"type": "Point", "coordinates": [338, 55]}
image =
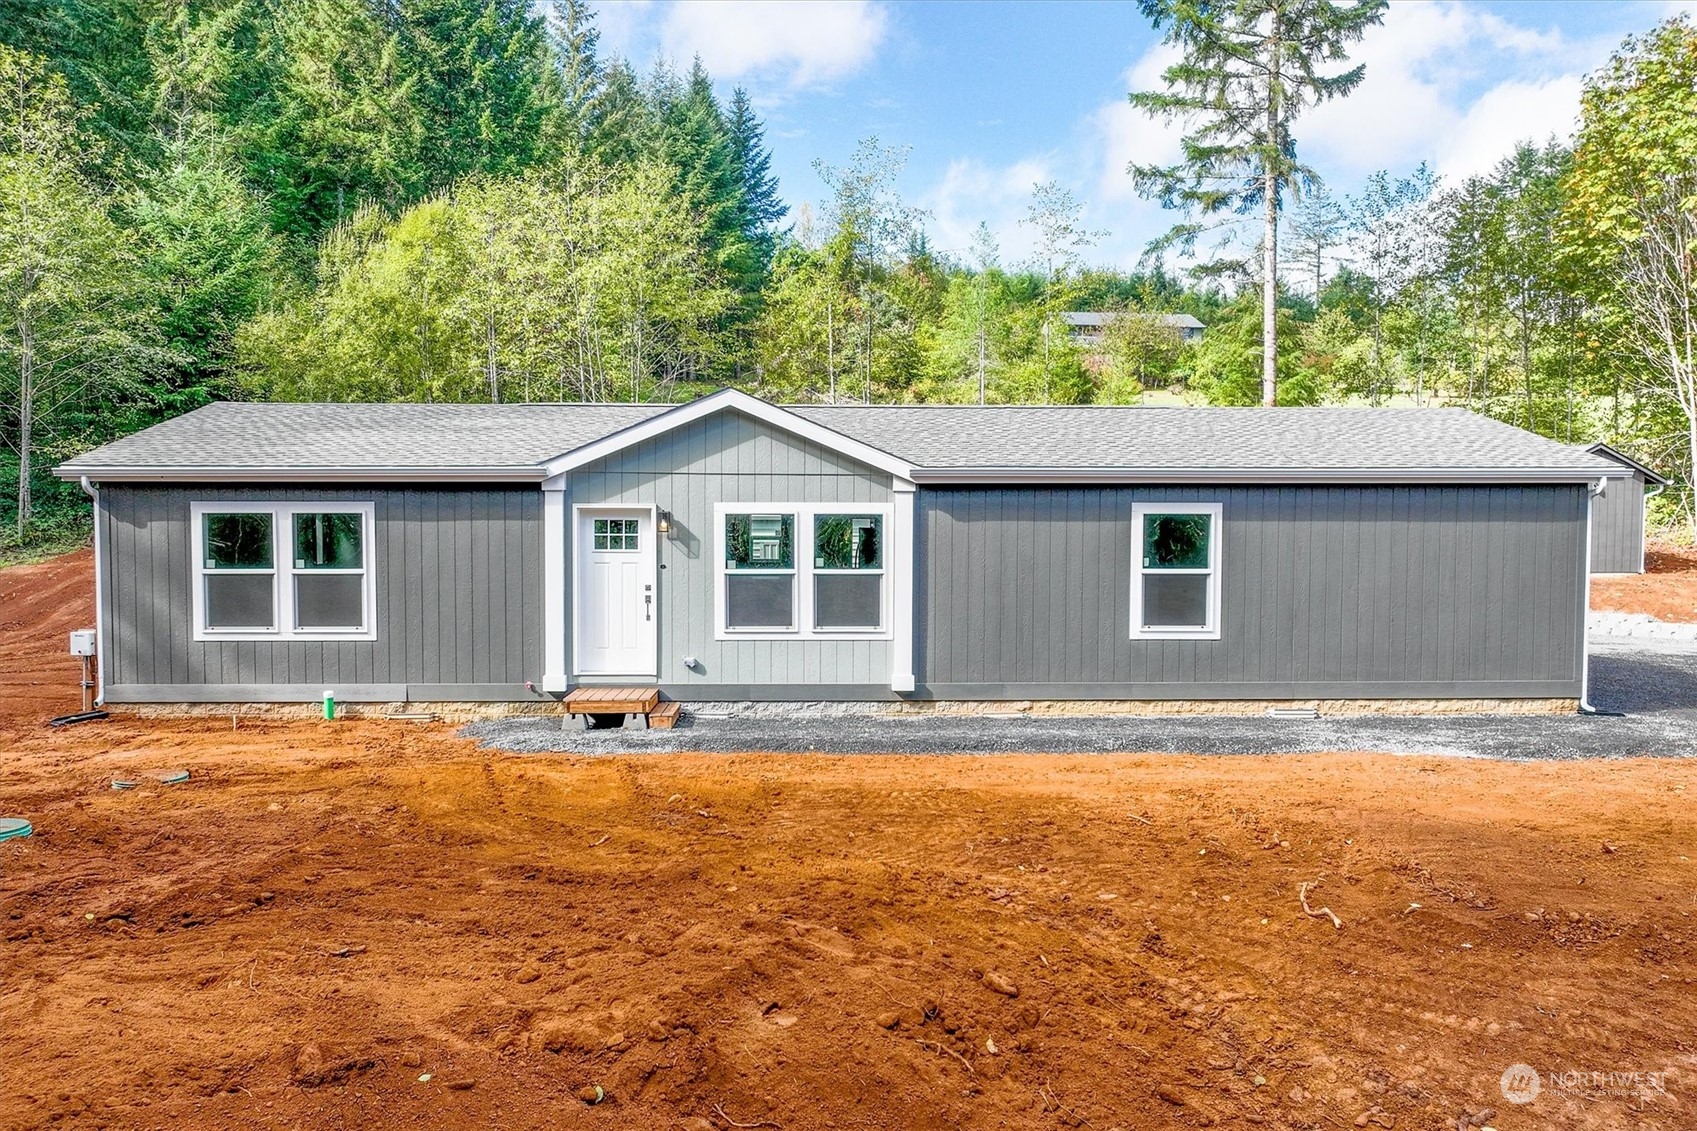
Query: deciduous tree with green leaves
{"type": "Point", "coordinates": [1249, 69]}
{"type": "Point", "coordinates": [74, 326]}
{"type": "Point", "coordinates": [1631, 216]}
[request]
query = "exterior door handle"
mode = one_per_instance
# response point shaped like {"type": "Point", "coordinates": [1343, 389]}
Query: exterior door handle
{"type": "Point", "coordinates": [648, 602]}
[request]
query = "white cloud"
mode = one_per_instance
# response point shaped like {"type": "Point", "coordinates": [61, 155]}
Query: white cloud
{"type": "Point", "coordinates": [1508, 113]}
{"type": "Point", "coordinates": [971, 192]}
{"type": "Point", "coordinates": [1449, 84]}
{"type": "Point", "coordinates": [800, 44]}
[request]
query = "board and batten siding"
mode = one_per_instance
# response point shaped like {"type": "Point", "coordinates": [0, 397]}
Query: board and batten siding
{"type": "Point", "coordinates": [459, 601]}
{"type": "Point", "coordinates": [1327, 592]}
{"type": "Point", "coordinates": [732, 458]}
{"type": "Point", "coordinates": [1617, 526]}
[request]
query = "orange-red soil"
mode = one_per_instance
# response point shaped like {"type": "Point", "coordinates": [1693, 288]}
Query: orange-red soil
{"type": "Point", "coordinates": [328, 913]}
{"type": "Point", "coordinates": [1666, 590]}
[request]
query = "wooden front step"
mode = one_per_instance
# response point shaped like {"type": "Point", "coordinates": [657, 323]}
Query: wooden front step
{"type": "Point", "coordinates": [612, 701]}
{"type": "Point", "coordinates": [665, 716]}
{"type": "Point", "coordinates": [642, 703]}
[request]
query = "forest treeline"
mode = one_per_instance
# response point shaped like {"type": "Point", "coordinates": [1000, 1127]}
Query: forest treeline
{"type": "Point", "coordinates": [456, 201]}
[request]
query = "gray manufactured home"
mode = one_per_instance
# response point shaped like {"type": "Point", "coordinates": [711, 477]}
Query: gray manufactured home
{"type": "Point", "coordinates": [732, 549]}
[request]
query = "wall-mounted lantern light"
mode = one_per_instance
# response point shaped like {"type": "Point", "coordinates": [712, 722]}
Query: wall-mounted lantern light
{"type": "Point", "coordinates": [663, 522]}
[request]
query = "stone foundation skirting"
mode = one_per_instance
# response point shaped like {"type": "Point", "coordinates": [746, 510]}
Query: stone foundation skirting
{"type": "Point", "coordinates": [984, 708]}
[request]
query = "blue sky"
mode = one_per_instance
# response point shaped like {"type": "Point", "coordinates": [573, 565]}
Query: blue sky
{"type": "Point", "coordinates": [993, 97]}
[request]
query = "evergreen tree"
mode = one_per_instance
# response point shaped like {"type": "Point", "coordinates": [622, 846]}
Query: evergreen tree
{"type": "Point", "coordinates": [1249, 69]}
{"type": "Point", "coordinates": [620, 124]}
{"type": "Point", "coordinates": [208, 256]}
{"type": "Point", "coordinates": [762, 209]}
{"type": "Point", "coordinates": [485, 91]}
{"type": "Point", "coordinates": [576, 44]}
{"type": "Point", "coordinates": [695, 141]}
{"type": "Point", "coordinates": [337, 125]}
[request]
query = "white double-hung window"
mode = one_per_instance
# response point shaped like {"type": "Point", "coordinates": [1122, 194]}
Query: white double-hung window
{"type": "Point", "coordinates": [1175, 577]}
{"type": "Point", "coordinates": [802, 571]}
{"type": "Point", "coordinates": [283, 571]}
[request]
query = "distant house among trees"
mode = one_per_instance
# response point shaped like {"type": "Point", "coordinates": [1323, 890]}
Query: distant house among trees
{"type": "Point", "coordinates": [1088, 326]}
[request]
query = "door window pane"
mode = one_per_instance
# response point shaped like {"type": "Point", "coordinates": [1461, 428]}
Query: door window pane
{"type": "Point", "coordinates": [848, 600]}
{"type": "Point", "coordinates": [616, 533]}
{"type": "Point", "coordinates": [848, 541]}
{"type": "Point", "coordinates": [240, 600]}
{"type": "Point", "coordinates": [1176, 541]}
{"type": "Point", "coordinates": [1175, 600]}
{"type": "Point", "coordinates": [238, 541]}
{"type": "Point", "coordinates": [330, 600]}
{"type": "Point", "coordinates": [753, 601]}
{"type": "Point", "coordinates": [329, 541]}
{"type": "Point", "coordinates": [760, 541]}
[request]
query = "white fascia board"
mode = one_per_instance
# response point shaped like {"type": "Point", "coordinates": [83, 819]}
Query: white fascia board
{"type": "Point", "coordinates": [531, 474]}
{"type": "Point", "coordinates": [727, 399]}
{"type": "Point", "coordinates": [1457, 476]}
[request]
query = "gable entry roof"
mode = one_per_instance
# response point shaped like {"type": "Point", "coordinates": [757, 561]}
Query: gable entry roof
{"type": "Point", "coordinates": [926, 443]}
{"type": "Point", "coordinates": [1610, 452]}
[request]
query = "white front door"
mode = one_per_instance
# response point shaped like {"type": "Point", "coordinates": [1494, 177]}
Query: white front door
{"type": "Point", "coordinates": [615, 604]}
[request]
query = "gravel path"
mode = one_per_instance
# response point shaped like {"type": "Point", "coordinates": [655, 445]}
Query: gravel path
{"type": "Point", "coordinates": [1654, 683]}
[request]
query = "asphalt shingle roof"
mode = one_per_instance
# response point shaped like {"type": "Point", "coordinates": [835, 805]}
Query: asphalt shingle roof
{"type": "Point", "coordinates": [445, 438]}
{"type": "Point", "coordinates": [309, 436]}
{"type": "Point", "coordinates": [1295, 439]}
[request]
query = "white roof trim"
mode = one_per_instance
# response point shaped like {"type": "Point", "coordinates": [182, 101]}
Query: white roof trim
{"type": "Point", "coordinates": [132, 474]}
{"type": "Point", "coordinates": [721, 401]}
{"type": "Point", "coordinates": [1059, 475]}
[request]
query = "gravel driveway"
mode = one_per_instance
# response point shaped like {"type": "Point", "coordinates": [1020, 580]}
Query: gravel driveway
{"type": "Point", "coordinates": [1653, 683]}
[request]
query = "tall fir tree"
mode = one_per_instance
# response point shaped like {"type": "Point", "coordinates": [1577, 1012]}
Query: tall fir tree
{"type": "Point", "coordinates": [485, 89]}
{"type": "Point", "coordinates": [1249, 68]}
{"type": "Point", "coordinates": [762, 208]}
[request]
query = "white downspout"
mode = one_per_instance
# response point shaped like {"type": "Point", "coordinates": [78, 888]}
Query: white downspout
{"type": "Point", "coordinates": [92, 490]}
{"type": "Point", "coordinates": [1585, 707]}
{"type": "Point", "coordinates": [1654, 489]}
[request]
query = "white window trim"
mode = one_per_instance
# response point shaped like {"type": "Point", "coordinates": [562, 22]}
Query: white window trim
{"type": "Point", "coordinates": [1210, 631]}
{"type": "Point", "coordinates": [282, 571]}
{"type": "Point", "coordinates": [804, 572]}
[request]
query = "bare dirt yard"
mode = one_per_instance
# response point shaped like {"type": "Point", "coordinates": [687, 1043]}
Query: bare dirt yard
{"type": "Point", "coordinates": [1666, 590]}
{"type": "Point", "coordinates": [379, 925]}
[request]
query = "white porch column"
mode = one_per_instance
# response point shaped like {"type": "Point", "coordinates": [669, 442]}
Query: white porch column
{"type": "Point", "coordinates": [555, 579]}
{"type": "Point", "coordinates": [905, 547]}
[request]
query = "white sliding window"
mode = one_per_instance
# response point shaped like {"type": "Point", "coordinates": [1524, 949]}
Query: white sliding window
{"type": "Point", "coordinates": [814, 571]}
{"type": "Point", "coordinates": [1175, 580]}
{"type": "Point", "coordinates": [283, 571]}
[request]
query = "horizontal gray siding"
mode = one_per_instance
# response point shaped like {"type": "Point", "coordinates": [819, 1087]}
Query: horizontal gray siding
{"type": "Point", "coordinates": [729, 457]}
{"type": "Point", "coordinates": [1326, 592]}
{"type": "Point", "coordinates": [1617, 527]}
{"type": "Point", "coordinates": [459, 600]}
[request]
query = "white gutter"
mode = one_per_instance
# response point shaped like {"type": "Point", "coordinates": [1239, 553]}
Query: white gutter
{"type": "Point", "coordinates": [1165, 475]}
{"type": "Point", "coordinates": [530, 473]}
{"type": "Point", "coordinates": [92, 490]}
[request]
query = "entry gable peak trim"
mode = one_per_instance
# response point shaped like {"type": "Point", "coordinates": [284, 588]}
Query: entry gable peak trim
{"type": "Point", "coordinates": [721, 401]}
{"type": "Point", "coordinates": [1610, 452]}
